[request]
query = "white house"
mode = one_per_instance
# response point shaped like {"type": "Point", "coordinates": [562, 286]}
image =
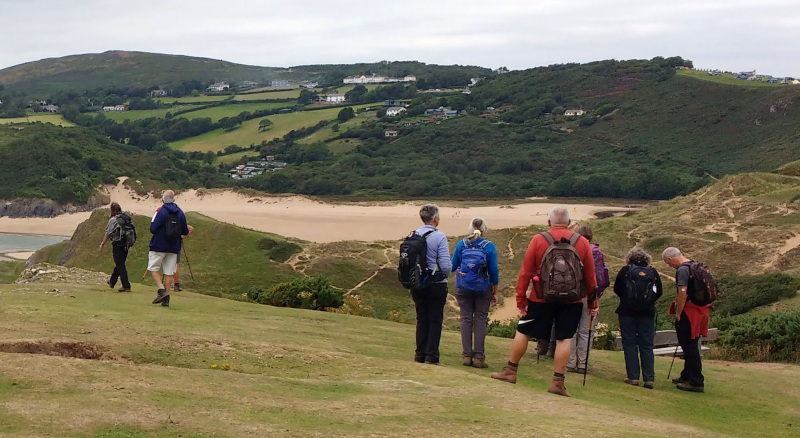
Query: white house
{"type": "Point", "coordinates": [219, 86]}
{"type": "Point", "coordinates": [115, 108]}
{"type": "Point", "coordinates": [395, 111]}
{"type": "Point", "coordinates": [310, 85]}
{"type": "Point", "coordinates": [50, 108]}
{"type": "Point", "coordinates": [335, 98]}
{"type": "Point", "coordinates": [574, 113]}
{"type": "Point", "coordinates": [389, 134]}
{"type": "Point", "coordinates": [375, 79]}
{"type": "Point", "coordinates": [279, 83]}
{"type": "Point", "coordinates": [158, 93]}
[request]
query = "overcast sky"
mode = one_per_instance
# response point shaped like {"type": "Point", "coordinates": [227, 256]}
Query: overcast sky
{"type": "Point", "coordinates": [726, 34]}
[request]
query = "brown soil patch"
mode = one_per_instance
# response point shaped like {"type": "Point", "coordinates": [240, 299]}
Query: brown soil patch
{"type": "Point", "coordinates": [78, 350]}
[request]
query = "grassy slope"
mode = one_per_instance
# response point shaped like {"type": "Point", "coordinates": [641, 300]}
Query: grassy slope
{"type": "Point", "coordinates": [248, 133]}
{"type": "Point", "coordinates": [726, 78]}
{"type": "Point", "coordinates": [119, 116]}
{"type": "Point", "coordinates": [10, 270]}
{"type": "Point", "coordinates": [120, 68]}
{"type": "Point", "coordinates": [55, 119]}
{"type": "Point", "coordinates": [233, 110]}
{"type": "Point", "coordinates": [223, 258]}
{"type": "Point", "coordinates": [303, 373]}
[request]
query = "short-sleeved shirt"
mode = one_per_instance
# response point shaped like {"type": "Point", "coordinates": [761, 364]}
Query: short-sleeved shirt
{"type": "Point", "coordinates": [682, 276]}
{"type": "Point", "coordinates": [112, 225]}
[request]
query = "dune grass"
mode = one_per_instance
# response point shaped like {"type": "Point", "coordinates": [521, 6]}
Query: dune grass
{"type": "Point", "coordinates": [314, 374]}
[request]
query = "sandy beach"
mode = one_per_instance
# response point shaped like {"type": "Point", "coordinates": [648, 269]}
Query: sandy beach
{"type": "Point", "coordinates": [308, 219]}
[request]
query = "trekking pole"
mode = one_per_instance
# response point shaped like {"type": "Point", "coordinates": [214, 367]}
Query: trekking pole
{"type": "Point", "coordinates": [186, 256]}
{"type": "Point", "coordinates": [673, 361]}
{"type": "Point", "coordinates": [588, 348]}
{"type": "Point", "coordinates": [145, 273]}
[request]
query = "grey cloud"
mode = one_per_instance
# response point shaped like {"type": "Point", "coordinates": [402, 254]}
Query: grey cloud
{"type": "Point", "coordinates": [733, 34]}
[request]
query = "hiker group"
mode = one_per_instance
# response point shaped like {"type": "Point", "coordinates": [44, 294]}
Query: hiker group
{"type": "Point", "coordinates": [168, 227]}
{"type": "Point", "coordinates": [559, 286]}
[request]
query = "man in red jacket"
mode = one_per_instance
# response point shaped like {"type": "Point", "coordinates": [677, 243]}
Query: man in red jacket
{"type": "Point", "coordinates": [539, 314]}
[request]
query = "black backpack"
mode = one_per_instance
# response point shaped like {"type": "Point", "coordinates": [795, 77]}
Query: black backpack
{"type": "Point", "coordinates": [640, 288]}
{"type": "Point", "coordinates": [701, 290]}
{"type": "Point", "coordinates": [412, 269]}
{"type": "Point", "coordinates": [172, 227]}
{"type": "Point", "coordinates": [125, 233]}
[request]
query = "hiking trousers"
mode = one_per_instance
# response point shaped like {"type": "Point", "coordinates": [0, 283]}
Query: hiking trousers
{"type": "Point", "coordinates": [429, 303]}
{"type": "Point", "coordinates": [637, 342]}
{"type": "Point", "coordinates": [581, 340]}
{"type": "Point", "coordinates": [120, 271]}
{"type": "Point", "coordinates": [692, 363]}
{"type": "Point", "coordinates": [474, 315]}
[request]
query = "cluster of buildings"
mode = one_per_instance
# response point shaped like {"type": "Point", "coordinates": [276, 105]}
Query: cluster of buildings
{"type": "Point", "coordinates": [377, 79]}
{"type": "Point", "coordinates": [217, 87]}
{"type": "Point", "coordinates": [255, 168]}
{"type": "Point", "coordinates": [115, 108]}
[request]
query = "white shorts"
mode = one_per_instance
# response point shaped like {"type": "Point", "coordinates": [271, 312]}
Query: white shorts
{"type": "Point", "coordinates": [158, 260]}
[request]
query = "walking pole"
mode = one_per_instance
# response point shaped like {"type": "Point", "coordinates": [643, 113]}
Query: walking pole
{"type": "Point", "coordinates": [673, 361]}
{"type": "Point", "coordinates": [145, 273]}
{"type": "Point", "coordinates": [588, 348]}
{"type": "Point", "coordinates": [186, 256]}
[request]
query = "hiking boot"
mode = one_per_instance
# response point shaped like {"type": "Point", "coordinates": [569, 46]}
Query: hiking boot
{"type": "Point", "coordinates": [678, 380]}
{"type": "Point", "coordinates": [430, 362]}
{"type": "Point", "coordinates": [124, 289]}
{"type": "Point", "coordinates": [177, 287]}
{"type": "Point", "coordinates": [580, 370]}
{"type": "Point", "coordinates": [109, 283]}
{"type": "Point", "coordinates": [686, 386]}
{"type": "Point", "coordinates": [162, 294]}
{"type": "Point", "coordinates": [509, 374]}
{"type": "Point", "coordinates": [572, 370]}
{"type": "Point", "coordinates": [557, 387]}
{"type": "Point", "coordinates": [648, 384]}
{"type": "Point", "coordinates": [551, 352]}
{"type": "Point", "coordinates": [479, 363]}
{"type": "Point", "coordinates": [466, 361]}
{"type": "Point", "coordinates": [631, 382]}
{"type": "Point", "coordinates": [165, 301]}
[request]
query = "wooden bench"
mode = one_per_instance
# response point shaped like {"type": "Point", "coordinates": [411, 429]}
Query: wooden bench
{"type": "Point", "coordinates": [665, 342]}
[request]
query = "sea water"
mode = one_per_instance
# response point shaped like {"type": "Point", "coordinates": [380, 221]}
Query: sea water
{"type": "Point", "coordinates": [25, 242]}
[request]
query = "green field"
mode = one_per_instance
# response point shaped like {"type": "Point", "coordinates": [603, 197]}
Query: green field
{"type": "Point", "coordinates": [55, 119]}
{"type": "Point", "coordinates": [328, 133]}
{"type": "Point", "coordinates": [194, 99]}
{"type": "Point", "coordinates": [235, 158]}
{"type": "Point", "coordinates": [248, 133]}
{"type": "Point", "coordinates": [727, 78]}
{"type": "Point", "coordinates": [119, 116]}
{"type": "Point", "coordinates": [282, 94]}
{"type": "Point", "coordinates": [213, 367]}
{"type": "Point", "coordinates": [233, 110]}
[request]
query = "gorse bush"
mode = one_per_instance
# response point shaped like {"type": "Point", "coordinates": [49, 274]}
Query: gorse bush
{"type": "Point", "coordinates": [314, 293]}
{"type": "Point", "coordinates": [278, 250]}
{"type": "Point", "coordinates": [501, 330]}
{"type": "Point", "coordinates": [740, 294]}
{"type": "Point", "coordinates": [774, 337]}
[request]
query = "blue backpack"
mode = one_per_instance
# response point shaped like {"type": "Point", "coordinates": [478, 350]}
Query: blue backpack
{"type": "Point", "coordinates": [473, 274]}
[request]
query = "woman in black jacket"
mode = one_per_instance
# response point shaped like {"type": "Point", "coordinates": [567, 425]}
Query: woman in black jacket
{"type": "Point", "coordinates": [638, 286]}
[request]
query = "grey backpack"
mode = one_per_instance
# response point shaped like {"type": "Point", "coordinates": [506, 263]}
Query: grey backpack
{"type": "Point", "coordinates": [561, 273]}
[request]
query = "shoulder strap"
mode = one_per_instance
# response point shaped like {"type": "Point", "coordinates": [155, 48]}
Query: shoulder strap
{"type": "Point", "coordinates": [429, 232]}
{"type": "Point", "coordinates": [466, 245]}
{"type": "Point", "coordinates": [548, 237]}
{"type": "Point", "coordinates": [483, 244]}
{"type": "Point", "coordinates": [574, 239]}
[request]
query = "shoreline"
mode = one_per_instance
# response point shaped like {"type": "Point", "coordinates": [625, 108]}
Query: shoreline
{"type": "Point", "coordinates": [16, 256]}
{"type": "Point", "coordinates": [315, 220]}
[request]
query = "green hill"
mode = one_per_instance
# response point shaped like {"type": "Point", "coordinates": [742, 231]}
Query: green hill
{"type": "Point", "coordinates": [647, 133]}
{"type": "Point", "coordinates": [41, 160]}
{"type": "Point", "coordinates": [213, 367]}
{"type": "Point", "coordinates": [118, 68]}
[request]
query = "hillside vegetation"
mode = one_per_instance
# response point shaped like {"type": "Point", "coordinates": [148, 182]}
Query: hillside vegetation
{"type": "Point", "coordinates": [40, 160]}
{"type": "Point", "coordinates": [647, 133]}
{"type": "Point", "coordinates": [212, 367]}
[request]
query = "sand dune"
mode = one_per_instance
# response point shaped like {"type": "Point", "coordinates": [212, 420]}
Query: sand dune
{"type": "Point", "coordinates": [308, 219]}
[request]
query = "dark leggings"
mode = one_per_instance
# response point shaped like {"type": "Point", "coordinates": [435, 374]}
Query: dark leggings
{"type": "Point", "coordinates": [120, 271]}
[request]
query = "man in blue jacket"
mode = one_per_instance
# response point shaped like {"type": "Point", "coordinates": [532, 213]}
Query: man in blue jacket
{"type": "Point", "coordinates": [168, 225]}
